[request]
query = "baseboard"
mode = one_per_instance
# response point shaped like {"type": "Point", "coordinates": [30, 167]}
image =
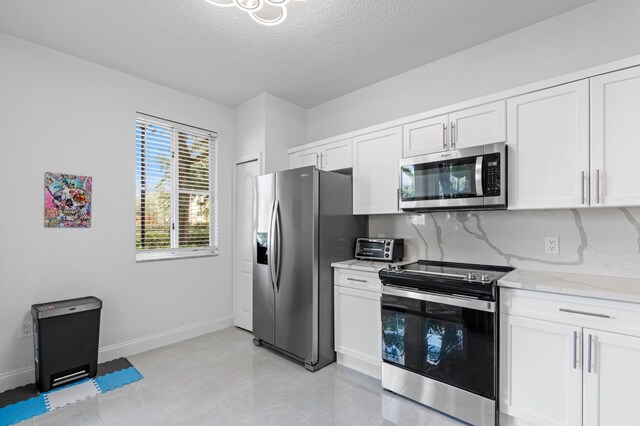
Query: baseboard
{"type": "Point", "coordinates": [25, 376]}
{"type": "Point", "coordinates": [373, 370]}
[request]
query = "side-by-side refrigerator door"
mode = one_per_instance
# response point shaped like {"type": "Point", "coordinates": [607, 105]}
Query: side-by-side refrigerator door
{"type": "Point", "coordinates": [296, 318]}
{"type": "Point", "coordinates": [263, 265]}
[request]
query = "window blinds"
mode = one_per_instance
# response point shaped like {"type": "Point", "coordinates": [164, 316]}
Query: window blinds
{"type": "Point", "coordinates": [175, 188]}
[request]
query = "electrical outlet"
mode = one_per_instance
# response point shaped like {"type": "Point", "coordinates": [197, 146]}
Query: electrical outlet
{"type": "Point", "coordinates": [27, 329]}
{"type": "Point", "coordinates": [551, 245]}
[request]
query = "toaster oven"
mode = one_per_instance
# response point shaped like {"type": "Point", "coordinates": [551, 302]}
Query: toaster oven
{"type": "Point", "coordinates": [380, 249]}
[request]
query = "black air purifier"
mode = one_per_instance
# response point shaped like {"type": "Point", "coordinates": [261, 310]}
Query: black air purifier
{"type": "Point", "coordinates": [65, 340]}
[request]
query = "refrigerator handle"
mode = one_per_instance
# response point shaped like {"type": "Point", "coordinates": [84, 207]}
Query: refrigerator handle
{"type": "Point", "coordinates": [278, 246]}
{"type": "Point", "coordinates": [271, 247]}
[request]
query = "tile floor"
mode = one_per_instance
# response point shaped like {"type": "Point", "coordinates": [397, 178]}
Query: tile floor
{"type": "Point", "coordinates": [223, 379]}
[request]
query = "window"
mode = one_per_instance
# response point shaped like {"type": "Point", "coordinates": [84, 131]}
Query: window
{"type": "Point", "coordinates": [176, 190]}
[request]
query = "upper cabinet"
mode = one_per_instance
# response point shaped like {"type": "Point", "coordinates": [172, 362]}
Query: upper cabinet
{"type": "Point", "coordinates": [331, 156]}
{"type": "Point", "coordinates": [615, 138]}
{"type": "Point", "coordinates": [376, 159]}
{"type": "Point", "coordinates": [479, 125]}
{"type": "Point", "coordinates": [548, 142]}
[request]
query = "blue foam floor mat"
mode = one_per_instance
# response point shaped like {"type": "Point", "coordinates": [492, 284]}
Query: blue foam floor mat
{"type": "Point", "coordinates": [30, 406]}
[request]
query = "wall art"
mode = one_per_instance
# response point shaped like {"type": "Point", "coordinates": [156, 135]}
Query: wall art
{"type": "Point", "coordinates": [67, 201]}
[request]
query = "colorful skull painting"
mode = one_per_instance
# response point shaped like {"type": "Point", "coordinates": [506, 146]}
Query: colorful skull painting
{"type": "Point", "coordinates": [67, 201]}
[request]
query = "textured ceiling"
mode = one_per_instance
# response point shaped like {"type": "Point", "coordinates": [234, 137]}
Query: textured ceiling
{"type": "Point", "coordinates": [325, 48]}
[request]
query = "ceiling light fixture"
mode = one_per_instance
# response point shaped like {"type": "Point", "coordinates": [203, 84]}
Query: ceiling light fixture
{"type": "Point", "coordinates": [265, 12]}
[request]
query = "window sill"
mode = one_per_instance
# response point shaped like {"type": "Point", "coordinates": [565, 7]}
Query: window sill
{"type": "Point", "coordinates": [142, 257]}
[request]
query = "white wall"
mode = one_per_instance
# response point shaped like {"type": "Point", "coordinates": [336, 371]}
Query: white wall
{"type": "Point", "coordinates": [595, 34]}
{"type": "Point", "coordinates": [269, 125]}
{"type": "Point", "coordinates": [250, 127]}
{"type": "Point", "coordinates": [62, 114]}
{"type": "Point", "coordinates": [286, 125]}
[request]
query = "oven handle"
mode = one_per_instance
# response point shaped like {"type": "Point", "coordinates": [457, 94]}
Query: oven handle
{"type": "Point", "coordinates": [478, 305]}
{"type": "Point", "coordinates": [479, 190]}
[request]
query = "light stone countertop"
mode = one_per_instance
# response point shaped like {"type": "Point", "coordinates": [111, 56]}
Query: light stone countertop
{"type": "Point", "coordinates": [596, 286]}
{"type": "Point", "coordinates": [367, 265]}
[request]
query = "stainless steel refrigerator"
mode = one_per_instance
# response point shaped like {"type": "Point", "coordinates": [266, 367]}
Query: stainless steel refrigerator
{"type": "Point", "coordinates": [304, 222]}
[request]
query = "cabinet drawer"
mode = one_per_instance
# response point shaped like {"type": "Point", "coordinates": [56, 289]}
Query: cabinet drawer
{"type": "Point", "coordinates": [608, 315]}
{"type": "Point", "coordinates": [358, 280]}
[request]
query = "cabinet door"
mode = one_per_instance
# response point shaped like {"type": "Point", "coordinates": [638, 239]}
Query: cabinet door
{"type": "Point", "coordinates": [425, 136]}
{"type": "Point", "coordinates": [336, 155]}
{"type": "Point", "coordinates": [357, 324]}
{"type": "Point", "coordinates": [304, 158]}
{"type": "Point", "coordinates": [479, 125]}
{"type": "Point", "coordinates": [611, 379]}
{"type": "Point", "coordinates": [615, 138]}
{"type": "Point", "coordinates": [540, 371]}
{"type": "Point", "coordinates": [548, 147]}
{"type": "Point", "coordinates": [376, 171]}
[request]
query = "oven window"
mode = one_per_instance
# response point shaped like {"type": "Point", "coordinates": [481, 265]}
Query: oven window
{"type": "Point", "coordinates": [439, 180]}
{"type": "Point", "coordinates": [447, 343]}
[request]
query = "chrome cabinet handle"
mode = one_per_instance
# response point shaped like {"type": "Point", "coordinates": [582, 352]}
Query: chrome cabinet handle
{"type": "Point", "coordinates": [575, 350]}
{"type": "Point", "coordinates": [322, 161]}
{"type": "Point", "coordinates": [582, 186]}
{"type": "Point", "coordinates": [356, 280]}
{"type": "Point", "coordinates": [444, 136]}
{"type": "Point", "coordinates": [592, 314]}
{"type": "Point", "coordinates": [453, 135]}
{"type": "Point", "coordinates": [598, 196]}
{"type": "Point", "coordinates": [589, 356]}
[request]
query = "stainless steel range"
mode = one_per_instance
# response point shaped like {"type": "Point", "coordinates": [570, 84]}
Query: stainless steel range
{"type": "Point", "coordinates": [440, 336]}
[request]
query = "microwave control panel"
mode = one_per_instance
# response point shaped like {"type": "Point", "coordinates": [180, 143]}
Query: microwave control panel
{"type": "Point", "coordinates": [491, 176]}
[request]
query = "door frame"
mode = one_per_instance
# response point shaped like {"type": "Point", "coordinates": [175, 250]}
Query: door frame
{"type": "Point", "coordinates": [239, 161]}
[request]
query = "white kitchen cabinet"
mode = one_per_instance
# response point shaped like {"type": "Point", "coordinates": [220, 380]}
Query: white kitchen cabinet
{"type": "Point", "coordinates": [357, 321]}
{"type": "Point", "coordinates": [611, 380]}
{"type": "Point", "coordinates": [615, 138]}
{"type": "Point", "coordinates": [548, 148]}
{"type": "Point", "coordinates": [539, 382]}
{"type": "Point", "coordinates": [484, 124]}
{"type": "Point", "coordinates": [329, 157]}
{"type": "Point", "coordinates": [568, 360]}
{"type": "Point", "coordinates": [425, 136]}
{"type": "Point", "coordinates": [376, 171]}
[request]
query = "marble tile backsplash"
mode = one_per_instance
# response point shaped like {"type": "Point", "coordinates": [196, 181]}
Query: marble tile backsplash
{"type": "Point", "coordinates": [592, 241]}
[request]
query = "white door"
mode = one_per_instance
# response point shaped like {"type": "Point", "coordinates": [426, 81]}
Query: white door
{"type": "Point", "coordinates": [376, 171]}
{"type": "Point", "coordinates": [540, 371]}
{"type": "Point", "coordinates": [484, 124]}
{"type": "Point", "coordinates": [336, 155]}
{"type": "Point", "coordinates": [357, 326]}
{"type": "Point", "coordinates": [548, 143]}
{"type": "Point", "coordinates": [304, 159]}
{"type": "Point", "coordinates": [615, 138]}
{"type": "Point", "coordinates": [611, 380]}
{"type": "Point", "coordinates": [245, 208]}
{"type": "Point", "coordinates": [425, 136]}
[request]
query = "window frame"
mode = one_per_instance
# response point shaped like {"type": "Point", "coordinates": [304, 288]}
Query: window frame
{"type": "Point", "coordinates": [147, 255]}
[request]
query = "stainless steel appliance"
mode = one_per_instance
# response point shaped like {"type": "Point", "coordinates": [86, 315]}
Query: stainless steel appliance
{"type": "Point", "coordinates": [304, 222]}
{"type": "Point", "coordinates": [464, 179]}
{"type": "Point", "coordinates": [381, 249]}
{"type": "Point", "coordinates": [439, 336]}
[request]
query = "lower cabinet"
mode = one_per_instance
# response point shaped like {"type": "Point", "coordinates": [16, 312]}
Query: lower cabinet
{"type": "Point", "coordinates": [565, 372]}
{"type": "Point", "coordinates": [357, 323]}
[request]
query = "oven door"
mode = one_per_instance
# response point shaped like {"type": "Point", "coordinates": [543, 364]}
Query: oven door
{"type": "Point", "coordinates": [448, 339]}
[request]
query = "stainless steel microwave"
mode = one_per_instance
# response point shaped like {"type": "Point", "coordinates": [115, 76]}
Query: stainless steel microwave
{"type": "Point", "coordinates": [472, 178]}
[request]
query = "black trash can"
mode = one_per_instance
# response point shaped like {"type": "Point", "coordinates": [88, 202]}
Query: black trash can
{"type": "Point", "coordinates": [65, 340]}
